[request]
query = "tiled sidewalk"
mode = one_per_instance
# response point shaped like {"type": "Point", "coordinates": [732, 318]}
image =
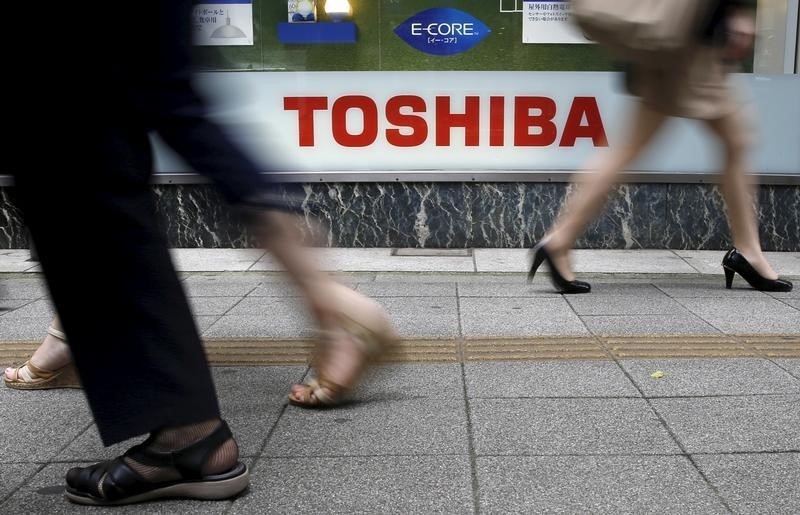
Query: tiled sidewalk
{"type": "Point", "coordinates": [711, 436]}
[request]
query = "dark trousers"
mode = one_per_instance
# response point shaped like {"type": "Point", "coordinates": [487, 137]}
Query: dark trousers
{"type": "Point", "coordinates": [90, 210]}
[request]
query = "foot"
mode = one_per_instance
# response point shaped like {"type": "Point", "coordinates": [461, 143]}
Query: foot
{"type": "Point", "coordinates": [200, 461]}
{"type": "Point", "coordinates": [559, 255]}
{"type": "Point", "coordinates": [355, 330]}
{"type": "Point", "coordinates": [759, 263]}
{"type": "Point", "coordinates": [49, 358]}
{"type": "Point", "coordinates": [340, 367]}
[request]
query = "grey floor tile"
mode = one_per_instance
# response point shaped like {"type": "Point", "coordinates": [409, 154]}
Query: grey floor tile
{"type": "Point", "coordinates": [794, 294]}
{"type": "Point", "coordinates": [221, 285]}
{"type": "Point", "coordinates": [795, 303]}
{"type": "Point", "coordinates": [11, 304]}
{"type": "Point", "coordinates": [755, 483]}
{"type": "Point", "coordinates": [12, 475]}
{"type": "Point", "coordinates": [37, 309]}
{"type": "Point", "coordinates": [273, 307]}
{"type": "Point", "coordinates": [407, 289]}
{"type": "Point", "coordinates": [596, 304]}
{"type": "Point", "coordinates": [270, 325]}
{"type": "Point", "coordinates": [567, 426]}
{"type": "Point", "coordinates": [411, 381]}
{"type": "Point", "coordinates": [791, 365]}
{"type": "Point", "coordinates": [633, 325]}
{"type": "Point", "coordinates": [23, 288]}
{"type": "Point", "coordinates": [37, 425]}
{"type": "Point", "coordinates": [432, 316]}
{"type": "Point", "coordinates": [547, 379]}
{"type": "Point", "coordinates": [45, 494]}
{"type": "Point", "coordinates": [711, 290]}
{"type": "Point", "coordinates": [518, 317]}
{"type": "Point", "coordinates": [204, 322]}
{"type": "Point", "coordinates": [702, 377]}
{"type": "Point", "coordinates": [393, 484]}
{"type": "Point", "coordinates": [593, 484]}
{"type": "Point", "coordinates": [212, 306]}
{"type": "Point", "coordinates": [614, 287]}
{"type": "Point", "coordinates": [88, 448]}
{"type": "Point", "coordinates": [517, 289]}
{"type": "Point", "coordinates": [443, 277]}
{"type": "Point", "coordinates": [212, 260]}
{"type": "Point", "coordinates": [407, 427]}
{"type": "Point", "coordinates": [746, 315]}
{"type": "Point", "coordinates": [275, 289]}
{"type": "Point", "coordinates": [733, 424]}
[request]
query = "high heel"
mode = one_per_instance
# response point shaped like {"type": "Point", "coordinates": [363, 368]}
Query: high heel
{"type": "Point", "coordinates": [734, 262]}
{"type": "Point", "coordinates": [540, 255]}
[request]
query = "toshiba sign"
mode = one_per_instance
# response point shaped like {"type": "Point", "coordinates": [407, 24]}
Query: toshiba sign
{"type": "Point", "coordinates": [533, 121]}
{"type": "Point", "coordinates": [359, 122]}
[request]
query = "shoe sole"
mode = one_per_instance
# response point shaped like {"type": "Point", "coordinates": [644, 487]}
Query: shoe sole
{"type": "Point", "coordinates": [216, 490]}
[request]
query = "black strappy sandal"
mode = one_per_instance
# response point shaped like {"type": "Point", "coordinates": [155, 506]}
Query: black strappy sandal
{"type": "Point", "coordinates": [115, 482]}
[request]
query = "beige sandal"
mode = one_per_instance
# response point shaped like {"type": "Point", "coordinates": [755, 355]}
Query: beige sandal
{"type": "Point", "coordinates": [39, 379]}
{"type": "Point", "coordinates": [366, 322]}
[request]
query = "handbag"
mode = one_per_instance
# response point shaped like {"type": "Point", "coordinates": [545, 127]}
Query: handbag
{"type": "Point", "coordinates": [647, 32]}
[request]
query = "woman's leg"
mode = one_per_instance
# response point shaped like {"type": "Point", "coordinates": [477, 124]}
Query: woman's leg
{"type": "Point", "coordinates": [738, 191]}
{"type": "Point", "coordinates": [343, 357]}
{"type": "Point", "coordinates": [593, 190]}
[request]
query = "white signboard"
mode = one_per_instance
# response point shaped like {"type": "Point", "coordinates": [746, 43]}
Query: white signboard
{"type": "Point", "coordinates": [224, 23]}
{"type": "Point", "coordinates": [548, 21]}
{"type": "Point", "coordinates": [533, 121]}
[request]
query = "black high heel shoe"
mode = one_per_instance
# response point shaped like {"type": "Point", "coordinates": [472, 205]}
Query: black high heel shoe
{"type": "Point", "coordinates": [735, 263]}
{"type": "Point", "coordinates": [540, 254]}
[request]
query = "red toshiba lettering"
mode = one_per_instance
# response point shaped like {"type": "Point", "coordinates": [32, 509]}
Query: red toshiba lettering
{"type": "Point", "coordinates": [445, 121]}
{"type": "Point", "coordinates": [369, 132]}
{"type": "Point", "coordinates": [573, 129]}
{"type": "Point", "coordinates": [305, 107]}
{"type": "Point", "coordinates": [497, 121]}
{"type": "Point", "coordinates": [417, 124]}
{"type": "Point", "coordinates": [524, 120]}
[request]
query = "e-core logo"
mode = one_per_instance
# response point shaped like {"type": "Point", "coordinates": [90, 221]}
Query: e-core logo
{"type": "Point", "coordinates": [442, 31]}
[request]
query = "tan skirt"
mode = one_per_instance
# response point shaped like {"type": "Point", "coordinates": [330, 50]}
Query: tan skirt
{"type": "Point", "coordinates": [696, 88]}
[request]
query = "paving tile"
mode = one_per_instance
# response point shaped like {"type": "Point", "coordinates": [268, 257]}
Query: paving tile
{"type": "Point", "coordinates": [791, 365]}
{"type": "Point", "coordinates": [567, 426]}
{"type": "Point", "coordinates": [258, 326]}
{"type": "Point", "coordinates": [714, 290]}
{"type": "Point", "coordinates": [45, 494]}
{"type": "Point", "coordinates": [595, 304]}
{"type": "Point", "coordinates": [415, 427]}
{"type": "Point", "coordinates": [400, 289]}
{"type": "Point", "coordinates": [547, 379]}
{"type": "Point", "coordinates": [215, 260]}
{"type": "Point", "coordinates": [733, 424]}
{"type": "Point", "coordinates": [13, 475]}
{"type": "Point", "coordinates": [51, 420]}
{"type": "Point", "coordinates": [27, 288]}
{"type": "Point", "coordinates": [518, 317]}
{"type": "Point", "coordinates": [411, 381]}
{"type": "Point", "coordinates": [636, 325]}
{"type": "Point", "coordinates": [212, 306]}
{"type": "Point", "coordinates": [593, 484]}
{"type": "Point", "coordinates": [386, 484]}
{"type": "Point", "coordinates": [377, 260]}
{"type": "Point", "coordinates": [704, 377]}
{"type": "Point", "coordinates": [517, 289]}
{"type": "Point", "coordinates": [430, 316]}
{"type": "Point", "coordinates": [221, 285]}
{"type": "Point", "coordinates": [755, 483]}
{"type": "Point", "coordinates": [746, 316]}
{"type": "Point", "coordinates": [23, 328]}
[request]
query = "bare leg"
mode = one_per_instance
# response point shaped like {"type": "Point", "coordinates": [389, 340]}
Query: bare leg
{"type": "Point", "coordinates": [593, 190]}
{"type": "Point", "coordinates": [52, 354]}
{"type": "Point", "coordinates": [343, 358]}
{"type": "Point", "coordinates": [738, 191]}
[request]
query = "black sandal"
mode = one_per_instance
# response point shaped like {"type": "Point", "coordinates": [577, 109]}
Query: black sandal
{"type": "Point", "coordinates": [115, 482]}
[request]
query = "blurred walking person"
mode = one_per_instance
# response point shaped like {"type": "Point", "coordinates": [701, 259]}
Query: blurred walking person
{"type": "Point", "coordinates": [82, 162]}
{"type": "Point", "coordinates": [690, 82]}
